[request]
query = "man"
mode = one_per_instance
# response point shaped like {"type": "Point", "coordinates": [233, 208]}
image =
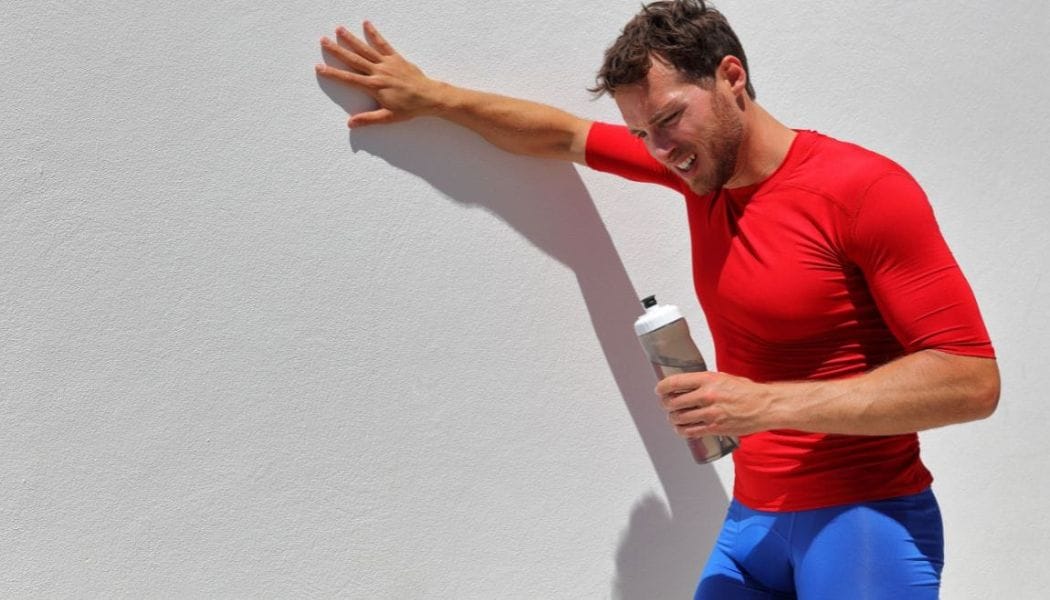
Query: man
{"type": "Point", "coordinates": [841, 322]}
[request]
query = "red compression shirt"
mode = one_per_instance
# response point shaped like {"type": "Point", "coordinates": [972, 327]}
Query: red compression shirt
{"type": "Point", "coordinates": [830, 267]}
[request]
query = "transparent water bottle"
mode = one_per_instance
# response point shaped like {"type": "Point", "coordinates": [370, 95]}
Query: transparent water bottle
{"type": "Point", "coordinates": [664, 335]}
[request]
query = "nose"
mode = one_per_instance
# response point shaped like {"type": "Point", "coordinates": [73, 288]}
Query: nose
{"type": "Point", "coordinates": [661, 147]}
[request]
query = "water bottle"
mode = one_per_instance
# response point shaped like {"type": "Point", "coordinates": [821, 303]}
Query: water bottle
{"type": "Point", "coordinates": [664, 335]}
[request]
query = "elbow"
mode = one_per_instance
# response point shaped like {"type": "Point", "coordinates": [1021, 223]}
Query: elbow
{"type": "Point", "coordinates": [985, 394]}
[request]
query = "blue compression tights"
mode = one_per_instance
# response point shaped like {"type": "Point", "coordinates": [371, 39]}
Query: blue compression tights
{"type": "Point", "coordinates": [892, 549]}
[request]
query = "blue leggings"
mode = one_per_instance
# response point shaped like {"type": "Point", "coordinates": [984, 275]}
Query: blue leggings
{"type": "Point", "coordinates": [892, 549]}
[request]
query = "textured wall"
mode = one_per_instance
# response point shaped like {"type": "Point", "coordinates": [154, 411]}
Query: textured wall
{"type": "Point", "coordinates": [248, 355]}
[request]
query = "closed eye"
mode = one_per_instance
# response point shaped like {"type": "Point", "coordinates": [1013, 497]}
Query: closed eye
{"type": "Point", "coordinates": [664, 122]}
{"type": "Point", "coordinates": [670, 119]}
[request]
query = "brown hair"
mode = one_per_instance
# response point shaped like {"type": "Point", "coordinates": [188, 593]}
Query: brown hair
{"type": "Point", "coordinates": [687, 34]}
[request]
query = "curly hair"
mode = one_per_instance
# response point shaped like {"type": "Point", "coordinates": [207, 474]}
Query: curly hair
{"type": "Point", "coordinates": [687, 34]}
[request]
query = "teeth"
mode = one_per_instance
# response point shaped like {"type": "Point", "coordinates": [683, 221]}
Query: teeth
{"type": "Point", "coordinates": [685, 164]}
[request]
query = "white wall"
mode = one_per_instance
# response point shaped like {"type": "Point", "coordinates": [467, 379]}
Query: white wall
{"type": "Point", "coordinates": [248, 355]}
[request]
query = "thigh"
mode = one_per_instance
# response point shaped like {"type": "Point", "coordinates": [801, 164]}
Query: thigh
{"type": "Point", "coordinates": [723, 579]}
{"type": "Point", "coordinates": [750, 561]}
{"type": "Point", "coordinates": [892, 549]}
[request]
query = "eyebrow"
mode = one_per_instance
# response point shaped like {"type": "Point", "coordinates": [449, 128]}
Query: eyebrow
{"type": "Point", "coordinates": [661, 114]}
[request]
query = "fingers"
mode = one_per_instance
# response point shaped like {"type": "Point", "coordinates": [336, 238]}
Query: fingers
{"type": "Point", "coordinates": [681, 401]}
{"type": "Point", "coordinates": [374, 117]}
{"type": "Point", "coordinates": [355, 44]}
{"type": "Point", "coordinates": [350, 59]}
{"type": "Point", "coordinates": [685, 402]}
{"type": "Point", "coordinates": [694, 423]}
{"type": "Point", "coordinates": [689, 416]}
{"type": "Point", "coordinates": [355, 79]}
{"type": "Point", "coordinates": [688, 401]}
{"type": "Point", "coordinates": [698, 431]}
{"type": "Point", "coordinates": [378, 41]}
{"type": "Point", "coordinates": [670, 385]}
{"type": "Point", "coordinates": [681, 383]}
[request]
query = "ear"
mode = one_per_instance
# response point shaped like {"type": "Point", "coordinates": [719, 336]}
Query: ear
{"type": "Point", "coordinates": [732, 70]}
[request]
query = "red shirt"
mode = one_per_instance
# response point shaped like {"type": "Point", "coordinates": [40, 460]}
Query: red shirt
{"type": "Point", "coordinates": [830, 267]}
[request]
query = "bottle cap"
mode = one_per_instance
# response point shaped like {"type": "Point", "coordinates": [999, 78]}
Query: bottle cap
{"type": "Point", "coordinates": [656, 316]}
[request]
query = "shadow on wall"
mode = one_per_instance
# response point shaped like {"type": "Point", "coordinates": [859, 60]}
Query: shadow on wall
{"type": "Point", "coordinates": [663, 548]}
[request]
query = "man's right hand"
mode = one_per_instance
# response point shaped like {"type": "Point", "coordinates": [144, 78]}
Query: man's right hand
{"type": "Point", "coordinates": [403, 92]}
{"type": "Point", "coordinates": [398, 86]}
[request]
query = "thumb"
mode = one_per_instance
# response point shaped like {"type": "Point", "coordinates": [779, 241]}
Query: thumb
{"type": "Point", "coordinates": [374, 117]}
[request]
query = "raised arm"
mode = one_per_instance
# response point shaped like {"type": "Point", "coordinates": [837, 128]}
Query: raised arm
{"type": "Point", "coordinates": [403, 92]}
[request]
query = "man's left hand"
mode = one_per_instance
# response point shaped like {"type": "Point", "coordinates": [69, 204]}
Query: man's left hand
{"type": "Point", "coordinates": [711, 403]}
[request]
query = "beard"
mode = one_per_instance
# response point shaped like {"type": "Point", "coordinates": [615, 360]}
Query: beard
{"type": "Point", "coordinates": [721, 145]}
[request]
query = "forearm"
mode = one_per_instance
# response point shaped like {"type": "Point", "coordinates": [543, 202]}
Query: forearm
{"type": "Point", "coordinates": [402, 91]}
{"type": "Point", "coordinates": [515, 125]}
{"type": "Point", "coordinates": [920, 391]}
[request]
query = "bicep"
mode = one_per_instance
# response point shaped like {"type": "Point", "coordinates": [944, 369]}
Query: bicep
{"type": "Point", "coordinates": [914, 279]}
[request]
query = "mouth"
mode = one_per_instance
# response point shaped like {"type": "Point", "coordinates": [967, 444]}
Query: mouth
{"type": "Point", "coordinates": [687, 164]}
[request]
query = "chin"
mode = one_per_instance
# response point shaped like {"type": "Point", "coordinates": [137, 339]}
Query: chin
{"type": "Point", "coordinates": [699, 188]}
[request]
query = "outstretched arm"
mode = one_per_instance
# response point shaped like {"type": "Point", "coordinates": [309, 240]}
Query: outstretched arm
{"type": "Point", "coordinates": [403, 92]}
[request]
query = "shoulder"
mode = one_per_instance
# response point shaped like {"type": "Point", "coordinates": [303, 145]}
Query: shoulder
{"type": "Point", "coordinates": [845, 173]}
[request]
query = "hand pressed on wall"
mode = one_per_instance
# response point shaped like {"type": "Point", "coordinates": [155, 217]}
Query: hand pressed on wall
{"type": "Point", "coordinates": [400, 88]}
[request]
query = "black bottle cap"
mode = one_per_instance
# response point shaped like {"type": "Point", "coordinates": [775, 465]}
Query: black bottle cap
{"type": "Point", "coordinates": [649, 301]}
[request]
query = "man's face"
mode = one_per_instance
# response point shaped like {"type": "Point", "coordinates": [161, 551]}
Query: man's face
{"type": "Point", "coordinates": [694, 131]}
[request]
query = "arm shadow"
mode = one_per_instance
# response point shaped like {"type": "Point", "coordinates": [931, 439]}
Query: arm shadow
{"type": "Point", "coordinates": [663, 547]}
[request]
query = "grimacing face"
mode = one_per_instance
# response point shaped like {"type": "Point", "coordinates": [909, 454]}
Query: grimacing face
{"type": "Point", "coordinates": [694, 131]}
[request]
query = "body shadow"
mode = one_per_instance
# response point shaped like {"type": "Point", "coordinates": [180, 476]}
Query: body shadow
{"type": "Point", "coordinates": [663, 547]}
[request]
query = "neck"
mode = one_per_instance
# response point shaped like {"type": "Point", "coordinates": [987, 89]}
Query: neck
{"type": "Point", "coordinates": [764, 147]}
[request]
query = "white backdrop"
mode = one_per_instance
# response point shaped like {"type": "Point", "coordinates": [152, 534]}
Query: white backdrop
{"type": "Point", "coordinates": [246, 354]}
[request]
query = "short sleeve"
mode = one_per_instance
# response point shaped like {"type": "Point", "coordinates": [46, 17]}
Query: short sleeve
{"type": "Point", "coordinates": [915, 281]}
{"type": "Point", "coordinates": [612, 149]}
